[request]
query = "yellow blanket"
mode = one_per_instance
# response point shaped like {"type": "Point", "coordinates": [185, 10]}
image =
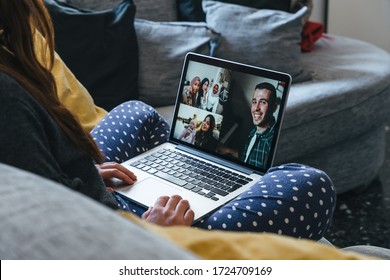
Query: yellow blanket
{"type": "Point", "coordinates": [224, 245]}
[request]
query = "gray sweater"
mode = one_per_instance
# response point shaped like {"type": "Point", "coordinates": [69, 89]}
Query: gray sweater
{"type": "Point", "coordinates": [31, 140]}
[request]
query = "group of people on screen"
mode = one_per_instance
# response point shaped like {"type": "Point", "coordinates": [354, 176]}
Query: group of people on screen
{"type": "Point", "coordinates": [210, 97]}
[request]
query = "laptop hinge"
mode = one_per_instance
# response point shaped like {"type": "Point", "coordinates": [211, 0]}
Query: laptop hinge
{"type": "Point", "coordinates": [225, 163]}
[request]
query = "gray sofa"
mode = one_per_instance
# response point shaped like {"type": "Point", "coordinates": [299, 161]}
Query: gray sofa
{"type": "Point", "coordinates": [41, 219]}
{"type": "Point", "coordinates": [338, 103]}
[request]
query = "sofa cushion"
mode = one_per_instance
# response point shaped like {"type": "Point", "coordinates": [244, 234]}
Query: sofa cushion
{"type": "Point", "coordinates": [157, 10]}
{"type": "Point", "coordinates": [100, 48]}
{"type": "Point", "coordinates": [191, 10]}
{"type": "Point", "coordinates": [162, 48]}
{"type": "Point", "coordinates": [96, 5]}
{"type": "Point", "coordinates": [54, 222]}
{"type": "Point", "coordinates": [274, 43]}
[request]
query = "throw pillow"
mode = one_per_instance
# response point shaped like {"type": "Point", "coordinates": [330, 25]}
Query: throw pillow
{"type": "Point", "coordinates": [156, 10]}
{"type": "Point", "coordinates": [162, 47]}
{"type": "Point", "coordinates": [298, 4]}
{"type": "Point", "coordinates": [96, 5]}
{"type": "Point", "coordinates": [100, 48]}
{"type": "Point", "coordinates": [191, 10]}
{"type": "Point", "coordinates": [264, 38]}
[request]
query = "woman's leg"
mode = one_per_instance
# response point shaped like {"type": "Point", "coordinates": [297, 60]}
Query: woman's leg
{"type": "Point", "coordinates": [129, 130]}
{"type": "Point", "coordinates": [291, 199]}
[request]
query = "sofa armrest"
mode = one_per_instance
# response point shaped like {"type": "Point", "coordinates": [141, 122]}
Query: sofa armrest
{"type": "Point", "coordinates": [41, 219]}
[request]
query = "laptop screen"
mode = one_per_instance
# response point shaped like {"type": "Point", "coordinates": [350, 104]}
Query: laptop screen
{"type": "Point", "coordinates": [230, 110]}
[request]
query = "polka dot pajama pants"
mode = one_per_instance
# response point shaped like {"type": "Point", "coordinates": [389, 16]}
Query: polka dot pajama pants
{"type": "Point", "coordinates": [291, 199]}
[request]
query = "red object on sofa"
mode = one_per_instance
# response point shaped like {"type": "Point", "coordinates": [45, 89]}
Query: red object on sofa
{"type": "Point", "coordinates": [312, 31]}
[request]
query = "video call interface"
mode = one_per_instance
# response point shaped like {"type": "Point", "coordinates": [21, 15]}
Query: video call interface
{"type": "Point", "coordinates": [219, 113]}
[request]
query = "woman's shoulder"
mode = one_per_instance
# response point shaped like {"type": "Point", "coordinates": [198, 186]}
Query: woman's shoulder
{"type": "Point", "coordinates": [15, 98]}
{"type": "Point", "coordinates": [11, 89]}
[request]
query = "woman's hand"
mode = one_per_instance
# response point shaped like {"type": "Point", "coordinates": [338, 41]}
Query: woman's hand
{"type": "Point", "coordinates": [110, 170]}
{"type": "Point", "coordinates": [169, 211]}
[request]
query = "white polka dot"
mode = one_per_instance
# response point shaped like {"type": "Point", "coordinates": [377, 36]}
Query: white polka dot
{"type": "Point", "coordinates": [292, 209]}
{"type": "Point", "coordinates": [295, 198]}
{"type": "Point", "coordinates": [229, 216]}
{"type": "Point", "coordinates": [279, 202]}
{"type": "Point", "coordinates": [239, 225]}
{"type": "Point", "coordinates": [321, 202]}
{"type": "Point", "coordinates": [260, 214]}
{"type": "Point", "coordinates": [254, 223]}
{"type": "Point", "coordinates": [301, 218]}
{"type": "Point", "coordinates": [270, 222]}
{"type": "Point", "coordinates": [286, 220]}
{"type": "Point", "coordinates": [263, 204]}
{"type": "Point", "coordinates": [310, 194]}
{"type": "Point", "coordinates": [248, 207]}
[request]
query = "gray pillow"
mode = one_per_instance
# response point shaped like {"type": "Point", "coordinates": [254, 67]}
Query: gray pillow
{"type": "Point", "coordinates": [157, 10]}
{"type": "Point", "coordinates": [162, 47]}
{"type": "Point", "coordinates": [96, 5]}
{"type": "Point", "coordinates": [260, 37]}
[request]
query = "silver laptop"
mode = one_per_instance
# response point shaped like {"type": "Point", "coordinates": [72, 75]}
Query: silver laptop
{"type": "Point", "coordinates": [208, 159]}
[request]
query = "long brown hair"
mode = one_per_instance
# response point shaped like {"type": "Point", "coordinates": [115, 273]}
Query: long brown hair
{"type": "Point", "coordinates": [19, 22]}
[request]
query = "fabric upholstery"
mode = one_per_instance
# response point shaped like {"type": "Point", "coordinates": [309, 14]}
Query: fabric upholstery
{"type": "Point", "coordinates": [156, 10]}
{"type": "Point", "coordinates": [162, 47]}
{"type": "Point", "coordinates": [273, 43]}
{"type": "Point", "coordinates": [54, 222]}
{"type": "Point", "coordinates": [100, 48]}
{"type": "Point", "coordinates": [96, 5]}
{"type": "Point", "coordinates": [335, 121]}
{"type": "Point", "coordinates": [42, 228]}
{"type": "Point", "coordinates": [225, 245]}
{"type": "Point", "coordinates": [191, 10]}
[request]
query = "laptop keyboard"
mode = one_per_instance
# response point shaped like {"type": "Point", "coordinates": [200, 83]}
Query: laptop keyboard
{"type": "Point", "coordinates": [199, 176]}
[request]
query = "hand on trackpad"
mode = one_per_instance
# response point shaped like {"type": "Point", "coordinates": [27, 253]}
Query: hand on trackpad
{"type": "Point", "coordinates": [147, 191]}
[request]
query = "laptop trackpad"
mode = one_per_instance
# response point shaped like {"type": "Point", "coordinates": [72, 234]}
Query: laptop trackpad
{"type": "Point", "coordinates": [147, 191]}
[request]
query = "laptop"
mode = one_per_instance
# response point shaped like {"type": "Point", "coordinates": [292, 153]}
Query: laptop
{"type": "Point", "coordinates": [204, 160]}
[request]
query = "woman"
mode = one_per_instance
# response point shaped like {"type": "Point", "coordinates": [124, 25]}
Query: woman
{"type": "Point", "coordinates": [213, 99]}
{"type": "Point", "coordinates": [202, 95]}
{"type": "Point", "coordinates": [204, 135]}
{"type": "Point", "coordinates": [190, 92]}
{"type": "Point", "coordinates": [40, 135]}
